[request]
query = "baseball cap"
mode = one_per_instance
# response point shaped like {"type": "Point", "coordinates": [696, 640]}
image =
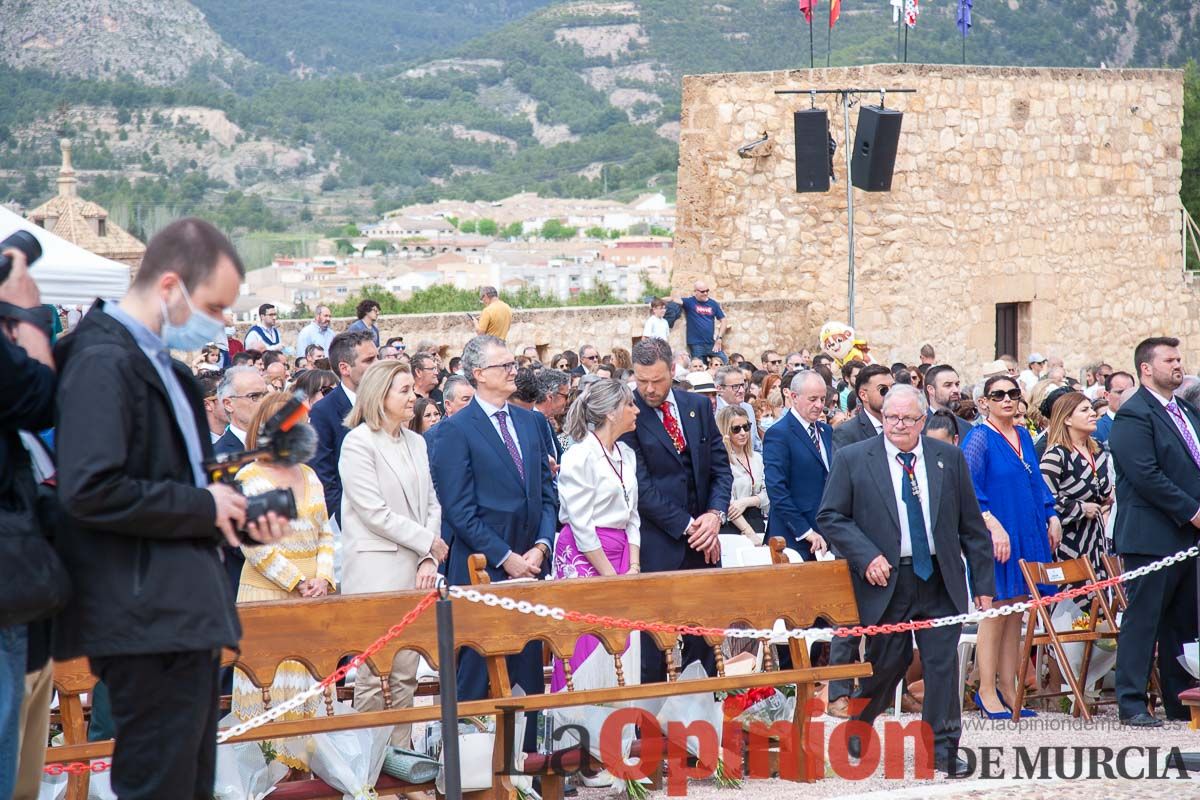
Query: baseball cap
{"type": "Point", "coordinates": [1036, 358]}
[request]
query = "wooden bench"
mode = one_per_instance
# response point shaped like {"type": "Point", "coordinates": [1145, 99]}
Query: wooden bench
{"type": "Point", "coordinates": [333, 627]}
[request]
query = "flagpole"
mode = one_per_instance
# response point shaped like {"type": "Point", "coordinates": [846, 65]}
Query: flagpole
{"type": "Point", "coordinates": [899, 25]}
{"type": "Point", "coordinates": [812, 59]}
{"type": "Point", "coordinates": [829, 42]}
{"type": "Point", "coordinates": [905, 44]}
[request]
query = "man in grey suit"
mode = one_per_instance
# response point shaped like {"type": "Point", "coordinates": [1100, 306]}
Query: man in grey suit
{"type": "Point", "coordinates": [871, 386]}
{"type": "Point", "coordinates": [901, 509]}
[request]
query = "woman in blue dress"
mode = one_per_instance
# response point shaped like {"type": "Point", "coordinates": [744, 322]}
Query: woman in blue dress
{"type": "Point", "coordinates": [1019, 512]}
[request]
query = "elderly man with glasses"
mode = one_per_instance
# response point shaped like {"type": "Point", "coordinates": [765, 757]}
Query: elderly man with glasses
{"type": "Point", "coordinates": [731, 391]}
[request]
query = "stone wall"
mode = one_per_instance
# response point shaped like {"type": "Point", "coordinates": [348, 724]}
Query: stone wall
{"type": "Point", "coordinates": [1048, 187]}
{"type": "Point", "coordinates": [757, 325]}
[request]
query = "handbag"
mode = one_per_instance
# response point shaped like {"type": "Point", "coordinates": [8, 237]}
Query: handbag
{"type": "Point", "coordinates": [44, 586]}
{"type": "Point", "coordinates": [25, 525]}
{"type": "Point", "coordinates": [410, 766]}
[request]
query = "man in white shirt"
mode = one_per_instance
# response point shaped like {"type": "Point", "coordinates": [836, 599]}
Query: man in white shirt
{"type": "Point", "coordinates": [905, 504]}
{"type": "Point", "coordinates": [319, 332]}
{"type": "Point", "coordinates": [240, 392]}
{"type": "Point", "coordinates": [265, 335]}
{"type": "Point", "coordinates": [1037, 366]}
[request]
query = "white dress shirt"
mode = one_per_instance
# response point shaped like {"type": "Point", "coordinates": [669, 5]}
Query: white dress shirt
{"type": "Point", "coordinates": [239, 433]}
{"type": "Point", "coordinates": [808, 432]}
{"type": "Point", "coordinates": [491, 412]}
{"type": "Point", "coordinates": [877, 423]}
{"type": "Point", "coordinates": [351, 394]}
{"type": "Point", "coordinates": [898, 477]}
{"type": "Point", "coordinates": [591, 495]}
{"type": "Point", "coordinates": [657, 328]}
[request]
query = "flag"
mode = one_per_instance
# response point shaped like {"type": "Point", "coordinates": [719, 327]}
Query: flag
{"type": "Point", "coordinates": [964, 16]}
{"type": "Point", "coordinates": [896, 5]}
{"type": "Point", "coordinates": [806, 8]}
{"type": "Point", "coordinates": [835, 10]}
{"type": "Point", "coordinates": [910, 13]}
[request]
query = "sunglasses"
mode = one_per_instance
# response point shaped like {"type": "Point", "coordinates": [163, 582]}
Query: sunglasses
{"type": "Point", "coordinates": [775, 361]}
{"type": "Point", "coordinates": [740, 428]}
{"type": "Point", "coordinates": [1000, 394]}
{"type": "Point", "coordinates": [324, 390]}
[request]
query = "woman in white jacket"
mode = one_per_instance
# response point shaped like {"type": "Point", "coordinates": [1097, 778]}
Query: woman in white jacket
{"type": "Point", "coordinates": [391, 519]}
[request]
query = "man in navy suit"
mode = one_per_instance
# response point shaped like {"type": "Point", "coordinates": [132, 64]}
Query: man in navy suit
{"type": "Point", "coordinates": [684, 484]}
{"type": "Point", "coordinates": [1155, 442]}
{"type": "Point", "coordinates": [492, 475]}
{"type": "Point", "coordinates": [870, 387]}
{"type": "Point", "coordinates": [240, 392]}
{"type": "Point", "coordinates": [350, 354]}
{"type": "Point", "coordinates": [1115, 385]}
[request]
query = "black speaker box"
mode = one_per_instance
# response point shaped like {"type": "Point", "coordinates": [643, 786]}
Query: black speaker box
{"type": "Point", "coordinates": [812, 150]}
{"type": "Point", "coordinates": [875, 142]}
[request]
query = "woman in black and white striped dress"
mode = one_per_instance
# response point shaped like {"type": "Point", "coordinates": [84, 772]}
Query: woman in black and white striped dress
{"type": "Point", "coordinates": [1079, 474]}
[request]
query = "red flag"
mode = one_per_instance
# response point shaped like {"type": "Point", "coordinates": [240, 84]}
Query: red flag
{"type": "Point", "coordinates": [806, 8]}
{"type": "Point", "coordinates": [835, 11]}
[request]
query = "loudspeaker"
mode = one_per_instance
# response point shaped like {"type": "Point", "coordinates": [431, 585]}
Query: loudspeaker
{"type": "Point", "coordinates": [812, 150]}
{"type": "Point", "coordinates": [875, 142]}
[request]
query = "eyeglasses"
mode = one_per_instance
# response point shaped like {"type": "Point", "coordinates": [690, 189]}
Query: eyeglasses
{"type": "Point", "coordinates": [508, 366]}
{"type": "Point", "coordinates": [900, 422]}
{"type": "Point", "coordinates": [737, 387]}
{"type": "Point", "coordinates": [740, 428]}
{"type": "Point", "coordinates": [254, 397]}
{"type": "Point", "coordinates": [1000, 394]}
{"type": "Point", "coordinates": [775, 361]}
{"type": "Point", "coordinates": [324, 390]}
{"type": "Point", "coordinates": [589, 358]}
{"type": "Point", "coordinates": [702, 291]}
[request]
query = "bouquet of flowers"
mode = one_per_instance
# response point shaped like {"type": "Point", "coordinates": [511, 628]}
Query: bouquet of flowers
{"type": "Point", "coordinates": [350, 761]}
{"type": "Point", "coordinates": [243, 771]}
{"type": "Point", "coordinates": [1068, 615]}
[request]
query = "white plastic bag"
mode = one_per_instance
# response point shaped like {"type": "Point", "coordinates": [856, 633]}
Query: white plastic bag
{"type": "Point", "coordinates": [689, 708]}
{"type": "Point", "coordinates": [52, 787]}
{"type": "Point", "coordinates": [349, 761]}
{"type": "Point", "coordinates": [242, 770]}
{"type": "Point", "coordinates": [1190, 660]}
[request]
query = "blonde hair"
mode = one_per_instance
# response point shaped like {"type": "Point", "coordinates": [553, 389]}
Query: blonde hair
{"type": "Point", "coordinates": [725, 420]}
{"type": "Point", "coordinates": [1057, 433]}
{"type": "Point", "coordinates": [1036, 395]}
{"type": "Point", "coordinates": [268, 408]}
{"type": "Point", "coordinates": [369, 397]}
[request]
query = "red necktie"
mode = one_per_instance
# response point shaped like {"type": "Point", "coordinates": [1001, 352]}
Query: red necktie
{"type": "Point", "coordinates": [672, 426]}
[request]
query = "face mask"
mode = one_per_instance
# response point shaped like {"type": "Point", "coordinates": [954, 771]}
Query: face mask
{"type": "Point", "coordinates": [230, 330]}
{"type": "Point", "coordinates": [199, 330]}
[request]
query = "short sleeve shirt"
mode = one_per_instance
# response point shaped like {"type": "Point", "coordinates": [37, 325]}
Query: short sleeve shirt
{"type": "Point", "coordinates": [701, 319]}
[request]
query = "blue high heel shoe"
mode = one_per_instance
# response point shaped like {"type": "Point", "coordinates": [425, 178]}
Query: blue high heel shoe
{"type": "Point", "coordinates": [1026, 713]}
{"type": "Point", "coordinates": [991, 714]}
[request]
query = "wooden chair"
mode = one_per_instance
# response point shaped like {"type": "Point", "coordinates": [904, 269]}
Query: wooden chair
{"type": "Point", "coordinates": [1061, 574]}
{"type": "Point", "coordinates": [333, 627]}
{"type": "Point", "coordinates": [72, 680]}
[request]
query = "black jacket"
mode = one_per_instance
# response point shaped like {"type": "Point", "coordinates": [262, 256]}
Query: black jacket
{"type": "Point", "coordinates": [857, 429]}
{"type": "Point", "coordinates": [1158, 485]}
{"type": "Point", "coordinates": [139, 539]}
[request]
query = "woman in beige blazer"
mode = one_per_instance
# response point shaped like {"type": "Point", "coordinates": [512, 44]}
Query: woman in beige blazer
{"type": "Point", "coordinates": [391, 520]}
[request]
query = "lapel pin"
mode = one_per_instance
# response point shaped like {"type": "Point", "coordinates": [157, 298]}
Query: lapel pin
{"type": "Point", "coordinates": [692, 415]}
{"type": "Point", "coordinates": [940, 464]}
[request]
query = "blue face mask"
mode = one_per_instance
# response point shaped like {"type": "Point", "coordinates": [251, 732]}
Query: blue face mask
{"type": "Point", "coordinates": [199, 330]}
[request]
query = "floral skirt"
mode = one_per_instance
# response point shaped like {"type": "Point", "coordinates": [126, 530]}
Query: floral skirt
{"type": "Point", "coordinates": [591, 665]}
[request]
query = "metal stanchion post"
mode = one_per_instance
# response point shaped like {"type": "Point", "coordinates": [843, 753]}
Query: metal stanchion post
{"type": "Point", "coordinates": [447, 677]}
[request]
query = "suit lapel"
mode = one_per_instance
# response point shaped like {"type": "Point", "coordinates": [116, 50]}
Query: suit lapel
{"type": "Point", "coordinates": [881, 472]}
{"type": "Point", "coordinates": [396, 456]}
{"type": "Point", "coordinates": [1161, 410]}
{"type": "Point", "coordinates": [806, 440]}
{"type": "Point", "coordinates": [934, 473]}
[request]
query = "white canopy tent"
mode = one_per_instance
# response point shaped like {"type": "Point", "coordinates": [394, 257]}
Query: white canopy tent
{"type": "Point", "coordinates": [66, 273]}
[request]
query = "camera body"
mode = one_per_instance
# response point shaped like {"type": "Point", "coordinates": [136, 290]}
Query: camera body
{"type": "Point", "coordinates": [24, 241]}
{"type": "Point", "coordinates": [281, 501]}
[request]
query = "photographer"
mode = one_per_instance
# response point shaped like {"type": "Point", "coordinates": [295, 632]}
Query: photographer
{"type": "Point", "coordinates": [152, 607]}
{"type": "Point", "coordinates": [26, 403]}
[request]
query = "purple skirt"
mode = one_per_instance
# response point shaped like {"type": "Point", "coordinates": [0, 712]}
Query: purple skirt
{"type": "Point", "coordinates": [570, 563]}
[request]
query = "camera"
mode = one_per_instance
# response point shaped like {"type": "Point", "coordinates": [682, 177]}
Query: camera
{"type": "Point", "coordinates": [274, 443]}
{"type": "Point", "coordinates": [24, 241]}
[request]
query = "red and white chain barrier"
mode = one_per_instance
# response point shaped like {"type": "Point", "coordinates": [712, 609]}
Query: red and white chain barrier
{"type": "Point", "coordinates": [560, 614]}
{"type": "Point", "coordinates": [810, 634]}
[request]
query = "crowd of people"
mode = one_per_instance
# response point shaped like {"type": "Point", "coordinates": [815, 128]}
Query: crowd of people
{"type": "Point", "coordinates": [562, 464]}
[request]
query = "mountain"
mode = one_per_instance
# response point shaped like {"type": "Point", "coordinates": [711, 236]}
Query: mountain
{"type": "Point", "coordinates": [110, 38]}
{"type": "Point", "coordinates": [324, 109]}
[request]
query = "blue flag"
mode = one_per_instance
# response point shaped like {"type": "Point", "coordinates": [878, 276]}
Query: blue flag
{"type": "Point", "coordinates": [964, 17]}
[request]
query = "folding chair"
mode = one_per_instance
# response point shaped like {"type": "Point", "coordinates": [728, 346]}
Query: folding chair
{"type": "Point", "coordinates": [1114, 565]}
{"type": "Point", "coordinates": [731, 547]}
{"type": "Point", "coordinates": [1060, 574]}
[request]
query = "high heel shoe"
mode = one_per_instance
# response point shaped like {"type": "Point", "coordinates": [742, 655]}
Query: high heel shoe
{"type": "Point", "coordinates": [990, 714]}
{"type": "Point", "coordinates": [1026, 713]}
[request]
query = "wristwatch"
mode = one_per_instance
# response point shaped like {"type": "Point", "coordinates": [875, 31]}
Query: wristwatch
{"type": "Point", "coordinates": [720, 515]}
{"type": "Point", "coordinates": [544, 548]}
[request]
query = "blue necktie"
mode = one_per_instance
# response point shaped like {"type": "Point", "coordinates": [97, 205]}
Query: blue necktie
{"type": "Point", "coordinates": [922, 561]}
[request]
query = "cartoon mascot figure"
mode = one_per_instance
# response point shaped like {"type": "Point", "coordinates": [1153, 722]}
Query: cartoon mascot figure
{"type": "Point", "coordinates": [839, 342]}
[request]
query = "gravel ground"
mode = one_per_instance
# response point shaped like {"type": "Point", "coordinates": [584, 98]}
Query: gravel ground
{"type": "Point", "coordinates": [1048, 730]}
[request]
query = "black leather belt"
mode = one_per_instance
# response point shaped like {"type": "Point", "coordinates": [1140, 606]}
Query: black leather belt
{"type": "Point", "coordinates": [906, 561]}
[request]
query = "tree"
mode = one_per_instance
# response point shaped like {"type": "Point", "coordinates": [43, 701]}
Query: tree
{"type": "Point", "coordinates": [377, 244]}
{"type": "Point", "coordinates": [351, 231]}
{"type": "Point", "coordinates": [655, 230]}
{"type": "Point", "coordinates": [452, 220]}
{"type": "Point", "coordinates": [467, 226]}
{"type": "Point", "coordinates": [514, 230]}
{"type": "Point", "coordinates": [487, 227]}
{"type": "Point", "coordinates": [556, 231]}
{"type": "Point", "coordinates": [595, 232]}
